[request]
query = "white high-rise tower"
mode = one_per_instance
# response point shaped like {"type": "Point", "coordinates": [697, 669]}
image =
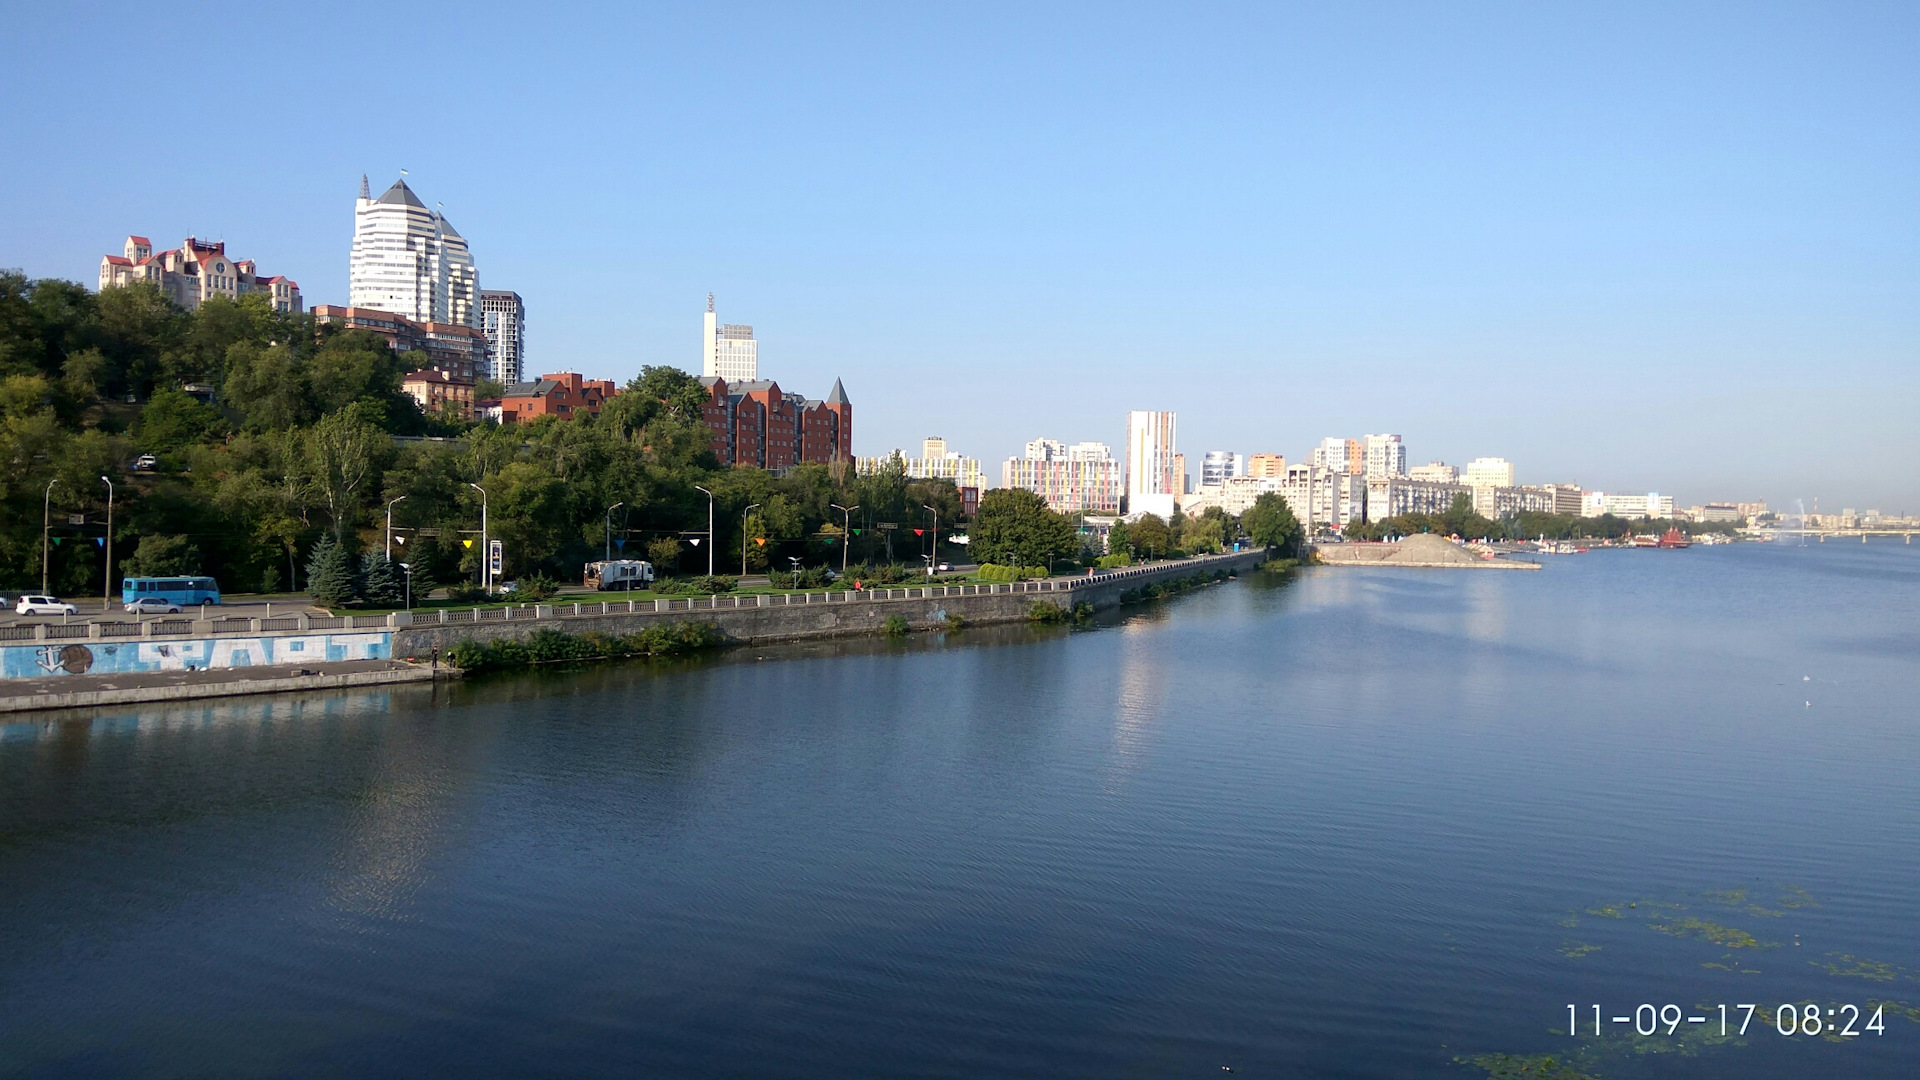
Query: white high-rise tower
{"type": "Point", "coordinates": [1152, 481]}
{"type": "Point", "coordinates": [408, 260]}
{"type": "Point", "coordinates": [728, 350]}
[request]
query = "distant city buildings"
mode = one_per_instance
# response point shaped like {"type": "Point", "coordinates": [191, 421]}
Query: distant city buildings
{"type": "Point", "coordinates": [1488, 472]}
{"type": "Point", "coordinates": [193, 273]}
{"type": "Point", "coordinates": [1080, 479]}
{"type": "Point", "coordinates": [564, 394]}
{"type": "Point", "coordinates": [1438, 472]}
{"type": "Point", "coordinates": [728, 350]}
{"type": "Point", "coordinates": [1633, 507]}
{"type": "Point", "coordinates": [1155, 479]}
{"type": "Point", "coordinates": [1267, 465]}
{"type": "Point", "coordinates": [935, 462]}
{"type": "Point", "coordinates": [1383, 456]}
{"type": "Point", "coordinates": [1340, 455]}
{"type": "Point", "coordinates": [408, 260]}
{"type": "Point", "coordinates": [1219, 465]}
{"type": "Point", "coordinates": [503, 318]}
{"type": "Point", "coordinates": [459, 350]}
{"type": "Point", "coordinates": [1392, 496]}
{"type": "Point", "coordinates": [755, 423]}
{"type": "Point", "coordinates": [440, 393]}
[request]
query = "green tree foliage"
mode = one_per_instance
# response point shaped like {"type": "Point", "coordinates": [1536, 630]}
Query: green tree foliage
{"type": "Point", "coordinates": [162, 556]}
{"type": "Point", "coordinates": [330, 577]}
{"type": "Point", "coordinates": [1015, 526]}
{"type": "Point", "coordinates": [1151, 537]}
{"type": "Point", "coordinates": [1270, 523]}
{"type": "Point", "coordinates": [172, 421]}
{"type": "Point", "coordinates": [1206, 532]}
{"type": "Point", "coordinates": [382, 582]}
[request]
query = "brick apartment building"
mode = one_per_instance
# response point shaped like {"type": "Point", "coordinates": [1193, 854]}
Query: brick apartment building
{"type": "Point", "coordinates": [563, 394]}
{"type": "Point", "coordinates": [757, 424]}
{"type": "Point", "coordinates": [460, 351]}
{"type": "Point", "coordinates": [440, 392]}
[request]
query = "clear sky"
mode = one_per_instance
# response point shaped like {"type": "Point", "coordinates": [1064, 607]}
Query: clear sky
{"type": "Point", "coordinates": [1638, 246]}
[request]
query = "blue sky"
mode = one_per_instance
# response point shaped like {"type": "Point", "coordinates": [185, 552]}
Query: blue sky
{"type": "Point", "coordinates": [1641, 247]}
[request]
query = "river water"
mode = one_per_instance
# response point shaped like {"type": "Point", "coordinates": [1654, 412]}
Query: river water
{"type": "Point", "coordinates": [1355, 823]}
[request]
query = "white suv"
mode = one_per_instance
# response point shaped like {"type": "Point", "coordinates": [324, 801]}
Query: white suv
{"type": "Point", "coordinates": [44, 605]}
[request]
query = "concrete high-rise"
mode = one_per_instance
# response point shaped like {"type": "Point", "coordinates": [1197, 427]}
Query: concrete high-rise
{"type": "Point", "coordinates": [1489, 472]}
{"type": "Point", "coordinates": [1153, 484]}
{"type": "Point", "coordinates": [408, 260]}
{"type": "Point", "coordinates": [503, 315]}
{"type": "Point", "coordinates": [1220, 465]}
{"type": "Point", "coordinates": [1386, 455]}
{"type": "Point", "coordinates": [728, 350]}
{"type": "Point", "coordinates": [1079, 479]}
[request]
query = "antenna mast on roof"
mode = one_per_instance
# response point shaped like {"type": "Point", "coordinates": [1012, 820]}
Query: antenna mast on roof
{"type": "Point", "coordinates": [709, 301]}
{"type": "Point", "coordinates": [364, 192]}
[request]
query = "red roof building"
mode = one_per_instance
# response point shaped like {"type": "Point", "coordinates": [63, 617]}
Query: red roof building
{"type": "Point", "coordinates": [757, 424]}
{"type": "Point", "coordinates": [564, 394]}
{"type": "Point", "coordinates": [195, 271]}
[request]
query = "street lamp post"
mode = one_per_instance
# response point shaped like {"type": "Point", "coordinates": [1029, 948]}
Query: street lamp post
{"type": "Point", "coordinates": [610, 510]}
{"type": "Point", "coordinates": [486, 553]}
{"type": "Point", "coordinates": [106, 591]}
{"type": "Point", "coordinates": [846, 541]}
{"type": "Point", "coordinates": [408, 567]}
{"type": "Point", "coordinates": [936, 539]}
{"type": "Point", "coordinates": [751, 507]}
{"type": "Point", "coordinates": [709, 496]}
{"type": "Point", "coordinates": [390, 503]}
{"type": "Point", "coordinates": [46, 520]}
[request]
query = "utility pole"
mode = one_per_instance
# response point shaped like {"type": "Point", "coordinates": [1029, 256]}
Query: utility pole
{"type": "Point", "coordinates": [936, 539]}
{"type": "Point", "coordinates": [610, 510]}
{"type": "Point", "coordinates": [402, 498]}
{"type": "Point", "coordinates": [486, 553]}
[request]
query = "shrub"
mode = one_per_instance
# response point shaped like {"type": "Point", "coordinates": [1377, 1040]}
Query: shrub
{"type": "Point", "coordinates": [895, 626]}
{"type": "Point", "coordinates": [996, 572]}
{"type": "Point", "coordinates": [1108, 562]}
{"type": "Point", "coordinates": [466, 593]}
{"type": "Point", "coordinates": [1045, 612]}
{"type": "Point", "coordinates": [813, 577]}
{"type": "Point", "coordinates": [547, 646]}
{"type": "Point", "coordinates": [535, 587]}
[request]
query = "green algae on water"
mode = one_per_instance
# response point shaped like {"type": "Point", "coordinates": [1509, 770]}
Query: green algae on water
{"type": "Point", "coordinates": [1703, 930]}
{"type": "Point", "coordinates": [1848, 966]}
{"type": "Point", "coordinates": [1573, 951]}
{"type": "Point", "coordinates": [1531, 1067]}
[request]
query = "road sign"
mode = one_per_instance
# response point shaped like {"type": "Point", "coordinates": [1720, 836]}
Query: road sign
{"type": "Point", "coordinates": [493, 557]}
{"type": "Point", "coordinates": [886, 526]}
{"type": "Point", "coordinates": [76, 519]}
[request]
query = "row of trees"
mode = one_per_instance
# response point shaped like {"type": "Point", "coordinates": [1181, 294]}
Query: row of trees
{"type": "Point", "coordinates": [312, 439]}
{"type": "Point", "coordinates": [1460, 520]}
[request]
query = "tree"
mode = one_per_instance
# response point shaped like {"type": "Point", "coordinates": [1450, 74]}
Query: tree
{"type": "Point", "coordinates": [664, 554]}
{"type": "Point", "coordinates": [1151, 535]}
{"type": "Point", "coordinates": [1120, 539]}
{"type": "Point", "coordinates": [383, 582]}
{"type": "Point", "coordinates": [173, 420]}
{"type": "Point", "coordinates": [1271, 524]}
{"type": "Point", "coordinates": [1015, 527]}
{"type": "Point", "coordinates": [342, 453]}
{"type": "Point", "coordinates": [330, 577]}
{"type": "Point", "coordinates": [163, 556]}
{"type": "Point", "coordinates": [1206, 531]}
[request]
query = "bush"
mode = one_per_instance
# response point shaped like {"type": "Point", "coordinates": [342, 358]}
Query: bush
{"type": "Point", "coordinates": [1045, 612]}
{"type": "Point", "coordinates": [896, 626]}
{"type": "Point", "coordinates": [466, 593]}
{"type": "Point", "coordinates": [1108, 562]}
{"type": "Point", "coordinates": [890, 574]}
{"type": "Point", "coordinates": [535, 587]}
{"type": "Point", "coordinates": [718, 583]}
{"type": "Point", "coordinates": [813, 577]}
{"type": "Point", "coordinates": [549, 646]}
{"type": "Point", "coordinates": [996, 572]}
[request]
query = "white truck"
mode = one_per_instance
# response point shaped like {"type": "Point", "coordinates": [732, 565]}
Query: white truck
{"type": "Point", "coordinates": [618, 574]}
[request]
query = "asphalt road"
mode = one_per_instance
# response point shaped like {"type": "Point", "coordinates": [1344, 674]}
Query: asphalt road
{"type": "Point", "coordinates": [242, 607]}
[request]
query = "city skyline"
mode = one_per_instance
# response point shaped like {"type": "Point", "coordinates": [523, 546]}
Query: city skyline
{"type": "Point", "coordinates": [1536, 258]}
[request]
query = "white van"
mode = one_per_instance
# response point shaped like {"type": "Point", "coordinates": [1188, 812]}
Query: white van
{"type": "Point", "coordinates": [618, 574]}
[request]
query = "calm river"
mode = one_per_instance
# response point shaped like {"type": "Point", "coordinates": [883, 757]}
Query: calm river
{"type": "Point", "coordinates": [1352, 823]}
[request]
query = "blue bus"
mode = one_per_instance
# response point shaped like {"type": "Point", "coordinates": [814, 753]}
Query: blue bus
{"type": "Point", "coordinates": [185, 591]}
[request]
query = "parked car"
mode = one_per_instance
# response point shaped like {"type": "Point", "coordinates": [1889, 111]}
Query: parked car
{"type": "Point", "coordinates": [153, 605]}
{"type": "Point", "coordinates": [944, 567]}
{"type": "Point", "coordinates": [145, 463]}
{"type": "Point", "coordinates": [44, 605]}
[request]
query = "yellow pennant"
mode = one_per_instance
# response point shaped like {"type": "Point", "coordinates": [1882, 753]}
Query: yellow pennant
{"type": "Point", "coordinates": [761, 540]}
{"type": "Point", "coordinates": [466, 543]}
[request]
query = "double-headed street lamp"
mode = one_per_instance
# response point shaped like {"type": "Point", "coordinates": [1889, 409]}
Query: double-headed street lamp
{"type": "Point", "coordinates": [46, 520]}
{"type": "Point", "coordinates": [709, 496]}
{"type": "Point", "coordinates": [106, 592]}
{"type": "Point", "coordinates": [390, 503]}
{"type": "Point", "coordinates": [486, 553]}
{"type": "Point", "coordinates": [846, 540]}
{"type": "Point", "coordinates": [936, 538]}
{"type": "Point", "coordinates": [751, 507]}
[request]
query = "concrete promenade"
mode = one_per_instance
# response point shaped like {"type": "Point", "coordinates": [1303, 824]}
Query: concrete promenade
{"type": "Point", "coordinates": [380, 644]}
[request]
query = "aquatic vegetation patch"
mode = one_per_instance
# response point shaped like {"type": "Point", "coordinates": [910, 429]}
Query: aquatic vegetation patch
{"type": "Point", "coordinates": [1795, 897]}
{"type": "Point", "coordinates": [1573, 951]}
{"type": "Point", "coordinates": [1531, 1067]}
{"type": "Point", "coordinates": [1848, 966]}
{"type": "Point", "coordinates": [1701, 929]}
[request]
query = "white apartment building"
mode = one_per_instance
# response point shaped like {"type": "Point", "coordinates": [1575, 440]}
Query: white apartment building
{"type": "Point", "coordinates": [1324, 498]}
{"type": "Point", "coordinates": [1386, 455]}
{"type": "Point", "coordinates": [503, 315]}
{"type": "Point", "coordinates": [935, 462]}
{"type": "Point", "coordinates": [1500, 502]}
{"type": "Point", "coordinates": [1154, 480]}
{"type": "Point", "coordinates": [1633, 507]}
{"type": "Point", "coordinates": [1438, 472]}
{"type": "Point", "coordinates": [1220, 465]}
{"type": "Point", "coordinates": [1235, 494]}
{"type": "Point", "coordinates": [408, 260]}
{"type": "Point", "coordinates": [1489, 472]}
{"type": "Point", "coordinates": [1392, 496]}
{"type": "Point", "coordinates": [1080, 479]}
{"type": "Point", "coordinates": [1339, 455]}
{"type": "Point", "coordinates": [728, 350]}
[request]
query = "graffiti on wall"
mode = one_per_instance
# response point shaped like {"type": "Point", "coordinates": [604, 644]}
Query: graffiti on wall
{"type": "Point", "coordinates": [129, 657]}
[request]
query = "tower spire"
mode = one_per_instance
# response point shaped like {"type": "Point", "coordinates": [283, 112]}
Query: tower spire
{"type": "Point", "coordinates": [709, 301]}
{"type": "Point", "coordinates": [364, 192]}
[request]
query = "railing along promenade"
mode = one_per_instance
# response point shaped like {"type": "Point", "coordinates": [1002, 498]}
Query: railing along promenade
{"type": "Point", "coordinates": [292, 625]}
